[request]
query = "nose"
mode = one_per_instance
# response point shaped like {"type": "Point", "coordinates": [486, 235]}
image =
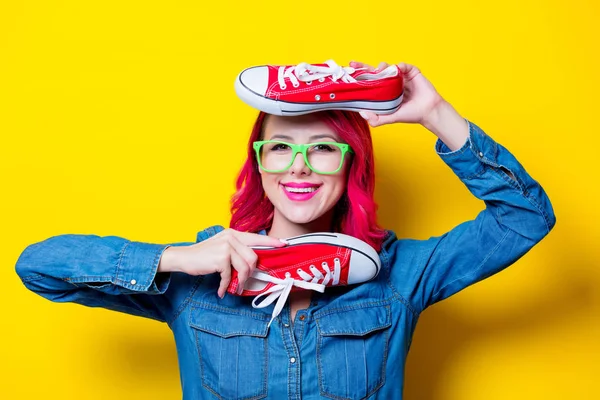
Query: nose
{"type": "Point", "coordinates": [299, 166]}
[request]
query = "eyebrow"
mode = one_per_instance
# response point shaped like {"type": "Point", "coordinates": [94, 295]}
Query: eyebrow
{"type": "Point", "coordinates": [313, 137]}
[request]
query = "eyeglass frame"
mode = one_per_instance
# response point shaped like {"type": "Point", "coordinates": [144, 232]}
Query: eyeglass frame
{"type": "Point", "coordinates": [301, 148]}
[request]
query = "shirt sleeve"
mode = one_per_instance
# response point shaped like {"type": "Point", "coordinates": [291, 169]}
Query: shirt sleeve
{"type": "Point", "coordinates": [518, 214]}
{"type": "Point", "coordinates": [106, 271]}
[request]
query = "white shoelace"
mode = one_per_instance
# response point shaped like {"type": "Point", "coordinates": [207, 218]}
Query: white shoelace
{"type": "Point", "coordinates": [307, 73]}
{"type": "Point", "coordinates": [282, 288]}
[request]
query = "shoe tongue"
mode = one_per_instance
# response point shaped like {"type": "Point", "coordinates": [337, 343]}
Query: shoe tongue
{"type": "Point", "coordinates": [365, 75]}
{"type": "Point", "coordinates": [359, 72]}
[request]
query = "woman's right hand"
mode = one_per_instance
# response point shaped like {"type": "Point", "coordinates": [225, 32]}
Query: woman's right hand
{"type": "Point", "coordinates": [227, 249]}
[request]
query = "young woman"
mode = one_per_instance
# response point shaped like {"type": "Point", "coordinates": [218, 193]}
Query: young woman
{"type": "Point", "coordinates": [347, 343]}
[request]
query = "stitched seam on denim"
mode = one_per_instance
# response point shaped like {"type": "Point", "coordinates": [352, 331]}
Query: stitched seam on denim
{"type": "Point", "coordinates": [479, 266]}
{"type": "Point", "coordinates": [397, 295]}
{"type": "Point", "coordinates": [457, 152]}
{"type": "Point", "coordinates": [296, 352]}
{"type": "Point", "coordinates": [201, 362]}
{"type": "Point", "coordinates": [118, 266]}
{"type": "Point", "coordinates": [151, 282]}
{"type": "Point", "coordinates": [258, 316]}
{"type": "Point", "coordinates": [512, 182]}
{"type": "Point", "coordinates": [290, 347]}
{"type": "Point", "coordinates": [34, 277]}
{"type": "Point", "coordinates": [385, 358]}
{"type": "Point", "coordinates": [84, 279]}
{"type": "Point", "coordinates": [533, 202]}
{"type": "Point", "coordinates": [206, 385]}
{"type": "Point", "coordinates": [542, 211]}
{"type": "Point", "coordinates": [185, 302]}
{"type": "Point", "coordinates": [356, 332]}
{"type": "Point", "coordinates": [383, 366]}
{"type": "Point", "coordinates": [359, 306]}
{"type": "Point", "coordinates": [265, 374]}
{"type": "Point", "coordinates": [301, 336]}
{"type": "Point", "coordinates": [210, 389]}
{"type": "Point", "coordinates": [228, 334]}
{"type": "Point", "coordinates": [319, 365]}
{"type": "Point", "coordinates": [545, 216]}
{"type": "Point", "coordinates": [495, 151]}
{"type": "Point", "coordinates": [400, 299]}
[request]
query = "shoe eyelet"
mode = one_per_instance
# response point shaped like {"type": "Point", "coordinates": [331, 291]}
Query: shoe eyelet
{"type": "Point", "coordinates": [336, 259]}
{"type": "Point", "coordinates": [296, 85]}
{"type": "Point", "coordinates": [321, 80]}
{"type": "Point", "coordinates": [288, 275]}
{"type": "Point", "coordinates": [332, 96]}
{"type": "Point", "coordinates": [282, 87]}
{"type": "Point", "coordinates": [309, 82]}
{"type": "Point", "coordinates": [317, 97]}
{"type": "Point", "coordinates": [324, 264]}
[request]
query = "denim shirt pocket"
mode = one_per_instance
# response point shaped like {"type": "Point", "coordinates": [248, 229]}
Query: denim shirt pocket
{"type": "Point", "coordinates": [232, 350]}
{"type": "Point", "coordinates": [352, 350]}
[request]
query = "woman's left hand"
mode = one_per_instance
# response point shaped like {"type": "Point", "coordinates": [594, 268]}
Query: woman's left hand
{"type": "Point", "coordinates": [419, 102]}
{"type": "Point", "coordinates": [422, 104]}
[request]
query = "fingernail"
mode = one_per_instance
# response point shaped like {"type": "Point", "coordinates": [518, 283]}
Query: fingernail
{"type": "Point", "coordinates": [221, 295]}
{"type": "Point", "coordinates": [284, 241]}
{"type": "Point", "coordinates": [364, 115]}
{"type": "Point", "coordinates": [240, 289]}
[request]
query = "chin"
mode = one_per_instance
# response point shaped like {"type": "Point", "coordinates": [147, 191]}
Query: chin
{"type": "Point", "coordinates": [300, 218]}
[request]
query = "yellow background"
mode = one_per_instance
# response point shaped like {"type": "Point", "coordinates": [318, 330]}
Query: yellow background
{"type": "Point", "coordinates": [119, 118]}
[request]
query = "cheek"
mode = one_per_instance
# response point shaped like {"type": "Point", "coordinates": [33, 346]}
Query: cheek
{"type": "Point", "coordinates": [337, 186]}
{"type": "Point", "coordinates": [269, 183]}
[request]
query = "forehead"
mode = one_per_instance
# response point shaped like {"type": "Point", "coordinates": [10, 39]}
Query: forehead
{"type": "Point", "coordinates": [300, 128]}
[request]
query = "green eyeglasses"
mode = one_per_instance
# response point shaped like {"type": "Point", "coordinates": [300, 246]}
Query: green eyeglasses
{"type": "Point", "coordinates": [321, 157]}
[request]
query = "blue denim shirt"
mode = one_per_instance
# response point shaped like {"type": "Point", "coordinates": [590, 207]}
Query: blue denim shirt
{"type": "Point", "coordinates": [351, 342]}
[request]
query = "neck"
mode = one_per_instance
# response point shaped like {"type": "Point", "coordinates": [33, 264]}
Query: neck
{"type": "Point", "coordinates": [284, 228]}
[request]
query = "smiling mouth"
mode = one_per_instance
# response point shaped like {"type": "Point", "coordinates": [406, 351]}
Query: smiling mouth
{"type": "Point", "coordinates": [300, 190]}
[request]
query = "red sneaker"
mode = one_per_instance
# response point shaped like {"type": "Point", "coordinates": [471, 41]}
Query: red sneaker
{"type": "Point", "coordinates": [305, 88]}
{"type": "Point", "coordinates": [313, 261]}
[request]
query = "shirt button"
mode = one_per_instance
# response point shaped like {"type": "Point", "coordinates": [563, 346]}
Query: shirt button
{"type": "Point", "coordinates": [480, 154]}
{"type": "Point", "coordinates": [133, 282]}
{"type": "Point", "coordinates": [286, 325]}
{"type": "Point", "coordinates": [302, 317]}
{"type": "Point", "coordinates": [293, 360]}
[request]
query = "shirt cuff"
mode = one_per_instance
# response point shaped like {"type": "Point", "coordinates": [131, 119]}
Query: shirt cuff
{"type": "Point", "coordinates": [470, 160]}
{"type": "Point", "coordinates": [138, 266]}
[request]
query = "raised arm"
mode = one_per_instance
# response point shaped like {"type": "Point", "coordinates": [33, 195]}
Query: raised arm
{"type": "Point", "coordinates": [517, 216]}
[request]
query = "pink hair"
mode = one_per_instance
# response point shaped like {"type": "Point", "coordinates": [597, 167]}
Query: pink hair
{"type": "Point", "coordinates": [355, 212]}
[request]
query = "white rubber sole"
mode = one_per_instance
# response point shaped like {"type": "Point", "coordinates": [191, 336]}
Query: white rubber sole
{"type": "Point", "coordinates": [335, 239]}
{"type": "Point", "coordinates": [278, 107]}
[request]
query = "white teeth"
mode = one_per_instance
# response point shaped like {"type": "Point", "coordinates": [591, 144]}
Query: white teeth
{"type": "Point", "coordinates": [300, 190]}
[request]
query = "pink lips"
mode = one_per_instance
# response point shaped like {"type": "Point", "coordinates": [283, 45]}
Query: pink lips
{"type": "Point", "coordinates": [299, 196]}
{"type": "Point", "coordinates": [301, 185]}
